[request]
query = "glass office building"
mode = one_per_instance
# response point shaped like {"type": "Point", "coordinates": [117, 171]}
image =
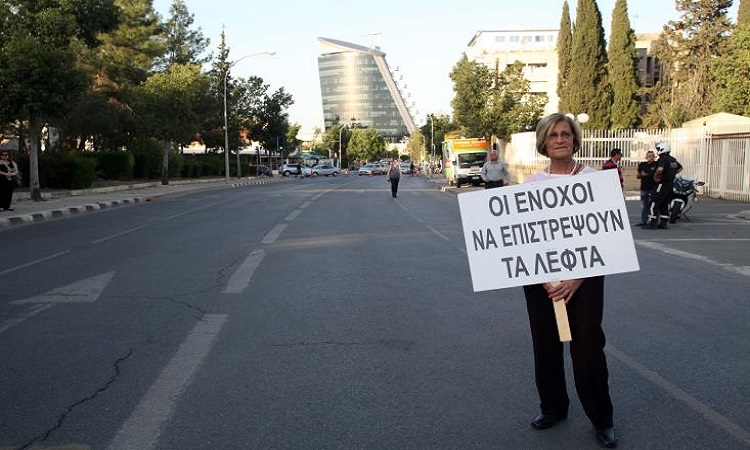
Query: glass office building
{"type": "Point", "coordinates": [356, 83]}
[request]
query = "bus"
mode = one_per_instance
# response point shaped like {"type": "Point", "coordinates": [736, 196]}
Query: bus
{"type": "Point", "coordinates": [463, 160]}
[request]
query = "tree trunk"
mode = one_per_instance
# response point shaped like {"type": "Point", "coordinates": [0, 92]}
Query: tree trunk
{"type": "Point", "coordinates": [165, 164]}
{"type": "Point", "coordinates": [35, 127]}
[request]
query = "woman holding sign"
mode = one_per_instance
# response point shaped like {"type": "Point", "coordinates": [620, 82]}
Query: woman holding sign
{"type": "Point", "coordinates": [558, 137]}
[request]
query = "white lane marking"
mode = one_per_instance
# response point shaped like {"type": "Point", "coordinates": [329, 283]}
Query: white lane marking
{"type": "Point", "coordinates": [293, 215]}
{"type": "Point", "coordinates": [744, 270]}
{"type": "Point", "coordinates": [272, 235]}
{"type": "Point", "coordinates": [34, 310]}
{"type": "Point", "coordinates": [31, 263]}
{"type": "Point", "coordinates": [439, 234]}
{"type": "Point", "coordinates": [86, 290]}
{"type": "Point", "coordinates": [83, 291]}
{"type": "Point", "coordinates": [142, 429]}
{"type": "Point", "coordinates": [305, 205]}
{"type": "Point", "coordinates": [112, 236]}
{"type": "Point", "coordinates": [189, 211]}
{"type": "Point", "coordinates": [710, 414]}
{"type": "Point", "coordinates": [241, 277]}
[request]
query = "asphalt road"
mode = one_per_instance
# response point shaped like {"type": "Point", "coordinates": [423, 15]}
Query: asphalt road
{"type": "Point", "coordinates": [323, 314]}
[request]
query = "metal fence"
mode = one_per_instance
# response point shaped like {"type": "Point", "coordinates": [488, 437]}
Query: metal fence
{"type": "Point", "coordinates": [720, 155]}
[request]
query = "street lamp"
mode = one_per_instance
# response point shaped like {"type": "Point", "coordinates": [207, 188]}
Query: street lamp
{"type": "Point", "coordinates": [226, 121]}
{"type": "Point", "coordinates": [580, 118]}
{"type": "Point", "coordinates": [432, 137]}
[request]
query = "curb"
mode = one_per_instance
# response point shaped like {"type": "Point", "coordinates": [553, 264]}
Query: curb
{"type": "Point", "coordinates": [64, 212]}
{"type": "Point", "coordinates": [58, 213]}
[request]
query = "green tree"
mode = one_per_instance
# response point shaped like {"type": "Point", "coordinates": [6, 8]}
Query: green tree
{"type": "Point", "coordinates": [416, 147]}
{"type": "Point", "coordinates": [588, 86]}
{"type": "Point", "coordinates": [124, 58]}
{"type": "Point", "coordinates": [564, 45]}
{"type": "Point", "coordinates": [743, 13]}
{"type": "Point", "coordinates": [40, 76]}
{"type": "Point", "coordinates": [519, 110]}
{"type": "Point", "coordinates": [733, 71]}
{"type": "Point", "coordinates": [169, 107]}
{"type": "Point", "coordinates": [472, 84]}
{"type": "Point", "coordinates": [365, 145]}
{"type": "Point", "coordinates": [662, 111]}
{"type": "Point", "coordinates": [435, 130]}
{"type": "Point", "coordinates": [129, 53]}
{"type": "Point", "coordinates": [623, 70]}
{"type": "Point", "coordinates": [694, 41]}
{"type": "Point", "coordinates": [292, 142]}
{"type": "Point", "coordinates": [184, 45]}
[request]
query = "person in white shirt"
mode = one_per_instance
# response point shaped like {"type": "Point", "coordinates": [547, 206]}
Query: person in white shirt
{"type": "Point", "coordinates": [494, 172]}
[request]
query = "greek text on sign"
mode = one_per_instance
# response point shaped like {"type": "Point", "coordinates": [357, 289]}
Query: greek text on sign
{"type": "Point", "coordinates": [558, 229]}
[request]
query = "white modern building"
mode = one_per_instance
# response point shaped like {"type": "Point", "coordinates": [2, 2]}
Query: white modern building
{"type": "Point", "coordinates": [356, 84]}
{"type": "Point", "coordinates": [536, 49]}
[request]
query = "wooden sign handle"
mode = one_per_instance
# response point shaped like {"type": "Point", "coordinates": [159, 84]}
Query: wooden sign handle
{"type": "Point", "coordinates": [561, 315]}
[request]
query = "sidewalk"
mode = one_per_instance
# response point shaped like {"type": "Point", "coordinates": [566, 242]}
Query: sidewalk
{"type": "Point", "coordinates": [57, 204]}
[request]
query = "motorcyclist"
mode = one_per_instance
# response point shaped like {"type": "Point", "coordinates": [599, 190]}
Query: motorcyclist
{"type": "Point", "coordinates": [667, 168]}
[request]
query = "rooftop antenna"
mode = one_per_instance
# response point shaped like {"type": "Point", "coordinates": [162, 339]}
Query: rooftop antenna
{"type": "Point", "coordinates": [372, 37]}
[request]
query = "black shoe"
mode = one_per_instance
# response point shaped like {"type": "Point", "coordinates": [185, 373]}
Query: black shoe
{"type": "Point", "coordinates": [606, 437]}
{"type": "Point", "coordinates": [662, 226]}
{"type": "Point", "coordinates": [651, 225]}
{"type": "Point", "coordinates": [543, 421]}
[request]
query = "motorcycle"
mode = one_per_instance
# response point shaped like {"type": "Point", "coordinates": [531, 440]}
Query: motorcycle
{"type": "Point", "coordinates": [684, 197]}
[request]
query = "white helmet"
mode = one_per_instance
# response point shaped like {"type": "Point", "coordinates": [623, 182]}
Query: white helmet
{"type": "Point", "coordinates": [662, 147]}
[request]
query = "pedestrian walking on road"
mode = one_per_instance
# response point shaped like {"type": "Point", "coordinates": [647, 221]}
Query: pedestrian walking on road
{"type": "Point", "coordinates": [558, 137]}
{"type": "Point", "coordinates": [8, 172]}
{"type": "Point", "coordinates": [393, 175]}
{"type": "Point", "coordinates": [645, 173]}
{"type": "Point", "coordinates": [494, 172]}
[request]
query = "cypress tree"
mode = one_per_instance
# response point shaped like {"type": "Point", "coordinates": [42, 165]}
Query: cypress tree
{"type": "Point", "coordinates": [700, 37]}
{"type": "Point", "coordinates": [733, 69]}
{"type": "Point", "coordinates": [564, 44]}
{"type": "Point", "coordinates": [743, 13]}
{"type": "Point", "coordinates": [623, 69]}
{"type": "Point", "coordinates": [588, 88]}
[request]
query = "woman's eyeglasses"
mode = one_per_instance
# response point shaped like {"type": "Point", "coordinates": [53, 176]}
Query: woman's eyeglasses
{"type": "Point", "coordinates": [563, 134]}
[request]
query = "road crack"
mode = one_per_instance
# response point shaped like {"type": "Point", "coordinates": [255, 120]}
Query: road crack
{"type": "Point", "coordinates": [61, 419]}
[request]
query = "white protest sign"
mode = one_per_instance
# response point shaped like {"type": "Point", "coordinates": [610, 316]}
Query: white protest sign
{"type": "Point", "coordinates": [552, 230]}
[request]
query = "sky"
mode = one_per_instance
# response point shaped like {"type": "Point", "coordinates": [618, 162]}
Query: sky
{"type": "Point", "coordinates": [422, 38]}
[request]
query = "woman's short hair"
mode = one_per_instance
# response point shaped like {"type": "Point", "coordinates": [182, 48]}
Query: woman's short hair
{"type": "Point", "coordinates": [545, 126]}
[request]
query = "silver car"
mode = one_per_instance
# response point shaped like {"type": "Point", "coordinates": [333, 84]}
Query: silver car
{"type": "Point", "coordinates": [321, 169]}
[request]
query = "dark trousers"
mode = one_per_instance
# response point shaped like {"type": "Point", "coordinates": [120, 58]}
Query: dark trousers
{"type": "Point", "coordinates": [493, 184]}
{"type": "Point", "coordinates": [660, 197]}
{"type": "Point", "coordinates": [585, 311]}
{"type": "Point", "coordinates": [645, 203]}
{"type": "Point", "coordinates": [6, 192]}
{"type": "Point", "coordinates": [394, 186]}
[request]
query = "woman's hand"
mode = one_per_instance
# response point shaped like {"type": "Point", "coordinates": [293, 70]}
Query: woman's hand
{"type": "Point", "coordinates": [563, 290]}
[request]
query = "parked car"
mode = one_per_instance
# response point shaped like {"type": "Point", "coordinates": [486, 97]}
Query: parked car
{"type": "Point", "coordinates": [290, 169]}
{"type": "Point", "coordinates": [368, 169]}
{"type": "Point", "coordinates": [405, 167]}
{"type": "Point", "coordinates": [321, 169]}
